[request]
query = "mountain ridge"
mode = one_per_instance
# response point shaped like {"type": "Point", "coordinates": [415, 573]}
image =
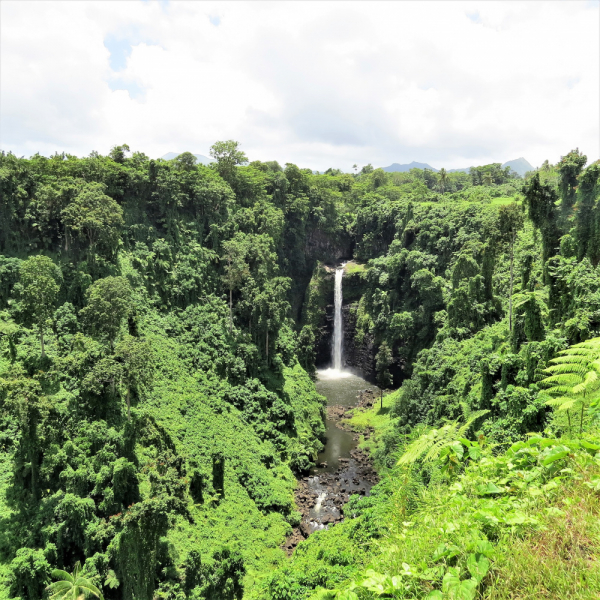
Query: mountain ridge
{"type": "Point", "coordinates": [519, 165]}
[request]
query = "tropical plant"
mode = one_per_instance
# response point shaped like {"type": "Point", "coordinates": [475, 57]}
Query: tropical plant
{"type": "Point", "coordinates": [573, 378]}
{"type": "Point", "coordinates": [440, 442]}
{"type": "Point", "coordinates": [443, 179]}
{"type": "Point", "coordinates": [72, 587]}
{"type": "Point", "coordinates": [40, 284]}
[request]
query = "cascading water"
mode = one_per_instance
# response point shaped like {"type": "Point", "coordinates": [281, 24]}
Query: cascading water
{"type": "Point", "coordinates": [338, 329]}
{"type": "Point", "coordinates": [338, 474]}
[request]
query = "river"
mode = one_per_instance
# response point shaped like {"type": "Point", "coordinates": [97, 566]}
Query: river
{"type": "Point", "coordinates": [342, 468]}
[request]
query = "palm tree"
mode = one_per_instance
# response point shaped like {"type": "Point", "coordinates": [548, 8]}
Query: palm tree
{"type": "Point", "coordinates": [443, 175]}
{"type": "Point", "coordinates": [71, 587]}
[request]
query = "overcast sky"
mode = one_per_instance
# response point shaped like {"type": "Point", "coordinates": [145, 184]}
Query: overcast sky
{"type": "Point", "coordinates": [319, 84]}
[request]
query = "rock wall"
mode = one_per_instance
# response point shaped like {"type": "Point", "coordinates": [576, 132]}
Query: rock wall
{"type": "Point", "coordinates": [358, 355]}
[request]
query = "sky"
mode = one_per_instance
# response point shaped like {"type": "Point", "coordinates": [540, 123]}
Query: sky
{"type": "Point", "coordinates": [319, 84]}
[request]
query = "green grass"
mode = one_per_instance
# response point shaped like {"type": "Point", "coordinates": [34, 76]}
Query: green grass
{"type": "Point", "coordinates": [353, 267]}
{"type": "Point", "coordinates": [375, 417]}
{"type": "Point", "coordinates": [502, 200]}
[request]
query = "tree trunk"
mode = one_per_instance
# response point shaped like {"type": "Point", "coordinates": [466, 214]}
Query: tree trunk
{"type": "Point", "coordinates": [42, 342]}
{"type": "Point", "coordinates": [510, 294]}
{"type": "Point", "coordinates": [128, 404]}
{"type": "Point", "coordinates": [267, 346]}
{"type": "Point", "coordinates": [230, 311]}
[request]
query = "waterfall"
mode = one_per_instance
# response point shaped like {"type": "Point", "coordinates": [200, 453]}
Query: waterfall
{"type": "Point", "coordinates": [338, 330]}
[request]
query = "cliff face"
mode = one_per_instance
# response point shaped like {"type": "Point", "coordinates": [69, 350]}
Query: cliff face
{"type": "Point", "coordinates": [358, 351]}
{"type": "Point", "coordinates": [359, 354]}
{"type": "Point", "coordinates": [324, 338]}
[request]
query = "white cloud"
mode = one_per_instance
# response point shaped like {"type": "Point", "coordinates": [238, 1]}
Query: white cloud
{"type": "Point", "coordinates": [320, 84]}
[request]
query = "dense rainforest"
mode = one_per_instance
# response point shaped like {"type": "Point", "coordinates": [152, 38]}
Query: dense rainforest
{"type": "Point", "coordinates": [161, 323]}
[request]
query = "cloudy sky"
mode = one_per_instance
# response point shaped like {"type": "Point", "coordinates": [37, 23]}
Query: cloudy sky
{"type": "Point", "coordinates": [316, 83]}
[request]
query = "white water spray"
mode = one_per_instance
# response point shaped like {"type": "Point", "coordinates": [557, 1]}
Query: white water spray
{"type": "Point", "coordinates": [338, 330]}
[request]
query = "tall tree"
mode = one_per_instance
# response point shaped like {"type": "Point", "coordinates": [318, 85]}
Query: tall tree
{"type": "Point", "coordinates": [40, 283]}
{"type": "Point", "coordinates": [510, 220]}
{"type": "Point", "coordinates": [96, 217]}
{"type": "Point", "coordinates": [24, 399]}
{"type": "Point", "coordinates": [587, 192]}
{"type": "Point", "coordinates": [540, 199]}
{"type": "Point", "coordinates": [569, 168]}
{"type": "Point", "coordinates": [235, 266]}
{"type": "Point", "coordinates": [135, 355]}
{"type": "Point", "coordinates": [443, 179]}
{"type": "Point", "coordinates": [228, 155]}
{"type": "Point", "coordinates": [108, 303]}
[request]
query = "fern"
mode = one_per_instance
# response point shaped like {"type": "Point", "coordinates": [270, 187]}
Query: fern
{"type": "Point", "coordinates": [429, 446]}
{"type": "Point", "coordinates": [573, 378]}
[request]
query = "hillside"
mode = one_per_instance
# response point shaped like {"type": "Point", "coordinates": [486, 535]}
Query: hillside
{"type": "Point", "coordinates": [161, 325]}
{"type": "Point", "coordinates": [519, 165]}
{"type": "Point", "coordinates": [398, 168]}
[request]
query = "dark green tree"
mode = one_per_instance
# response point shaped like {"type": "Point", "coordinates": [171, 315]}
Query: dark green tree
{"type": "Point", "coordinates": [108, 303]}
{"type": "Point", "coordinates": [40, 283]}
{"type": "Point", "coordinates": [95, 217]}
{"type": "Point", "coordinates": [587, 193]}
{"type": "Point", "coordinates": [510, 221]}
{"type": "Point", "coordinates": [228, 156]}
{"type": "Point", "coordinates": [569, 168]}
{"type": "Point", "coordinates": [235, 266]}
{"type": "Point", "coordinates": [24, 399]}
{"type": "Point", "coordinates": [540, 200]}
{"type": "Point", "coordinates": [135, 356]}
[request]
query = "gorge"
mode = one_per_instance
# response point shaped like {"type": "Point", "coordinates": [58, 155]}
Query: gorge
{"type": "Point", "coordinates": [341, 468]}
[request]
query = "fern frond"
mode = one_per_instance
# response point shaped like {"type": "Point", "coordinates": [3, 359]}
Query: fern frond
{"type": "Point", "coordinates": [569, 358]}
{"type": "Point", "coordinates": [472, 418]}
{"type": "Point", "coordinates": [593, 344]}
{"type": "Point", "coordinates": [559, 389]}
{"type": "Point", "coordinates": [589, 384]}
{"type": "Point", "coordinates": [567, 405]}
{"type": "Point", "coordinates": [563, 379]}
{"type": "Point", "coordinates": [419, 447]}
{"type": "Point", "coordinates": [558, 401]}
{"type": "Point", "coordinates": [578, 368]}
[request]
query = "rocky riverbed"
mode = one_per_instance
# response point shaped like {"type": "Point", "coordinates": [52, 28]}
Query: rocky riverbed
{"type": "Point", "coordinates": [320, 496]}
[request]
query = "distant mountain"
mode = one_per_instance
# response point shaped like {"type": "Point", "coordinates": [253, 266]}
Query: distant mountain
{"type": "Point", "coordinates": [519, 165]}
{"type": "Point", "coordinates": [397, 168]}
{"type": "Point", "coordinates": [203, 160]}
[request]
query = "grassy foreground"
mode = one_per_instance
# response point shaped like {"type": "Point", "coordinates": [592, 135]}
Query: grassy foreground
{"type": "Point", "coordinates": [477, 523]}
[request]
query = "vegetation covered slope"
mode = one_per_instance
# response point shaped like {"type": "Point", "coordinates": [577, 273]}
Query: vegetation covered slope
{"type": "Point", "coordinates": [158, 332]}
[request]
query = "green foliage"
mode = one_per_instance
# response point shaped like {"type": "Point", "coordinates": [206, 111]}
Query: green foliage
{"type": "Point", "coordinates": [158, 439]}
{"type": "Point", "coordinates": [39, 286]}
{"type": "Point", "coordinates": [445, 444]}
{"type": "Point", "coordinates": [95, 217]}
{"type": "Point", "coordinates": [108, 303]}
{"type": "Point", "coordinates": [573, 378]}
{"type": "Point", "coordinates": [71, 587]}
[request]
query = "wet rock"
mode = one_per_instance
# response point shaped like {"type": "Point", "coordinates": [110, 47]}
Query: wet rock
{"type": "Point", "coordinates": [355, 475]}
